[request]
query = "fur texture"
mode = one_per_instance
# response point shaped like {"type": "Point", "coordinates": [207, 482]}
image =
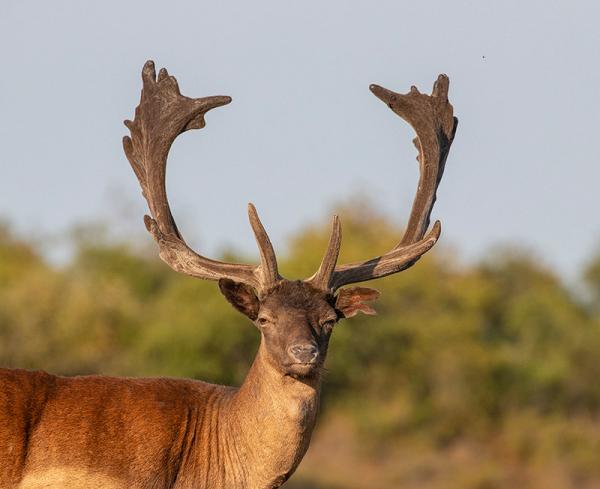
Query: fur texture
{"type": "Point", "coordinates": [109, 432]}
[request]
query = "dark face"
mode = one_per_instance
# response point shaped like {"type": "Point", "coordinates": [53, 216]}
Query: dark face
{"type": "Point", "coordinates": [296, 320]}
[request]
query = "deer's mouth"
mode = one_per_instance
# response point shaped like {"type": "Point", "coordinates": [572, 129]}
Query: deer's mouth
{"type": "Point", "coordinates": [302, 369]}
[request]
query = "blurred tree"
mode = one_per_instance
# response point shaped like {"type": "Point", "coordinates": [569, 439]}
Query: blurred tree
{"type": "Point", "coordinates": [499, 355]}
{"type": "Point", "coordinates": [591, 278]}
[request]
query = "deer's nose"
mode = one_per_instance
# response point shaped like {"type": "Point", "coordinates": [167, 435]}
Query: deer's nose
{"type": "Point", "coordinates": [305, 353]}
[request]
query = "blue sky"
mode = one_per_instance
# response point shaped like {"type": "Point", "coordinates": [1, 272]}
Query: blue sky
{"type": "Point", "coordinates": [303, 131]}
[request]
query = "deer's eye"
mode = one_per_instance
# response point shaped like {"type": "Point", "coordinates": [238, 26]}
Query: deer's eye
{"type": "Point", "coordinates": [328, 324]}
{"type": "Point", "coordinates": [263, 321]}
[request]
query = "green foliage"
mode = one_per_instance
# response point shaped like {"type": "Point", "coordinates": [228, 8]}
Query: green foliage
{"type": "Point", "coordinates": [497, 353]}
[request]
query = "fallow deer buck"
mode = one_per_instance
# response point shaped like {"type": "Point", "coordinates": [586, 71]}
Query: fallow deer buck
{"type": "Point", "coordinates": [105, 432]}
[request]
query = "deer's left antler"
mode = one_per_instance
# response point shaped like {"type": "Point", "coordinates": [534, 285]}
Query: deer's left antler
{"type": "Point", "coordinates": [431, 116]}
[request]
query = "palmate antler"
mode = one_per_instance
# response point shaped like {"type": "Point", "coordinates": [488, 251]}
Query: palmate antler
{"type": "Point", "coordinates": [163, 114]}
{"type": "Point", "coordinates": [431, 116]}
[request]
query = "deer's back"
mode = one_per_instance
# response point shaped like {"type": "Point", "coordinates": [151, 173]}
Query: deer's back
{"type": "Point", "coordinates": [98, 432]}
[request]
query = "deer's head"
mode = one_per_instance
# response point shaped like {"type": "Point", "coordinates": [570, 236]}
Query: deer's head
{"type": "Point", "coordinates": [295, 318]}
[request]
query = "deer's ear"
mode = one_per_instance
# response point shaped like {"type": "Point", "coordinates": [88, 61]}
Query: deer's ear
{"type": "Point", "coordinates": [240, 296]}
{"type": "Point", "coordinates": [349, 302]}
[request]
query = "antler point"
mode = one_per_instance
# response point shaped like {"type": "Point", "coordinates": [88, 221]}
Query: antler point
{"type": "Point", "coordinates": [441, 86]}
{"type": "Point", "coordinates": [162, 74]}
{"type": "Point", "coordinates": [148, 73]}
{"type": "Point", "coordinates": [437, 230]}
{"type": "Point", "coordinates": [148, 221]}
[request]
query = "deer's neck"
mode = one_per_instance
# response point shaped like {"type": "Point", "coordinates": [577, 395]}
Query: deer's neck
{"type": "Point", "coordinates": [272, 417]}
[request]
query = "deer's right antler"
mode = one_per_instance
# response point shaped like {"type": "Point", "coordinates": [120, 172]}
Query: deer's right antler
{"type": "Point", "coordinates": [163, 114]}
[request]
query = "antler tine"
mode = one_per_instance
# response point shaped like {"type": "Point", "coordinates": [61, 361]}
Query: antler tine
{"type": "Point", "coordinates": [323, 275]}
{"type": "Point", "coordinates": [431, 116]}
{"type": "Point", "coordinates": [268, 260]}
{"type": "Point", "coordinates": [162, 114]}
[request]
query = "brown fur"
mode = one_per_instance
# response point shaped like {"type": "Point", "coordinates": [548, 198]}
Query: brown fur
{"type": "Point", "coordinates": [110, 432]}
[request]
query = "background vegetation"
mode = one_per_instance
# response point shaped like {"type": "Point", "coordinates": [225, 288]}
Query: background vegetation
{"type": "Point", "coordinates": [476, 376]}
